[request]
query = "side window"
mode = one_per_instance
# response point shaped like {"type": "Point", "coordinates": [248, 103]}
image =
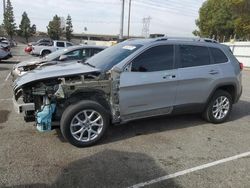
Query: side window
{"type": "Point", "coordinates": [95, 51]}
{"type": "Point", "coordinates": [86, 52]}
{"type": "Point", "coordinates": [74, 55]}
{"type": "Point", "coordinates": [69, 44]}
{"type": "Point", "coordinates": [154, 59]}
{"type": "Point", "coordinates": [218, 56]}
{"type": "Point", "coordinates": [192, 56]}
{"type": "Point", "coordinates": [44, 44]}
{"type": "Point", "coordinates": [60, 44]}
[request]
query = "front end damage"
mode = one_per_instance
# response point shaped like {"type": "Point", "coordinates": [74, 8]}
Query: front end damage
{"type": "Point", "coordinates": [45, 100]}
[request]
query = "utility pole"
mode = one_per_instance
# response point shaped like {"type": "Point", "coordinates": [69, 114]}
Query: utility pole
{"type": "Point", "coordinates": [4, 6]}
{"type": "Point", "coordinates": [145, 27]}
{"type": "Point", "coordinates": [129, 11]}
{"type": "Point", "coordinates": [122, 21]}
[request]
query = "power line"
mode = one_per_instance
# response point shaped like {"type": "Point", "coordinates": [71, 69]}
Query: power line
{"type": "Point", "coordinates": [174, 5]}
{"type": "Point", "coordinates": [174, 8]}
{"type": "Point", "coordinates": [173, 11]}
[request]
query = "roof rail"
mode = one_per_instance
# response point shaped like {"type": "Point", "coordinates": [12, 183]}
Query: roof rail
{"type": "Point", "coordinates": [192, 39]}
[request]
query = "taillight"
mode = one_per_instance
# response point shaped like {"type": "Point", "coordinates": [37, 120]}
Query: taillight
{"type": "Point", "coordinates": [6, 49]}
{"type": "Point", "coordinates": [241, 66]}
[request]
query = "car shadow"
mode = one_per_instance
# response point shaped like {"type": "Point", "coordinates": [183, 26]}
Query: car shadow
{"type": "Point", "coordinates": [9, 62]}
{"type": "Point", "coordinates": [167, 123]}
{"type": "Point", "coordinates": [163, 123]}
{"type": "Point", "coordinates": [240, 110]}
{"type": "Point", "coordinates": [4, 69]}
{"type": "Point", "coordinates": [151, 126]}
{"type": "Point", "coordinates": [109, 168]}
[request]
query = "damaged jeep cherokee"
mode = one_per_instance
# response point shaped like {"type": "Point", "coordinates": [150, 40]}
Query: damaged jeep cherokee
{"type": "Point", "coordinates": [134, 79]}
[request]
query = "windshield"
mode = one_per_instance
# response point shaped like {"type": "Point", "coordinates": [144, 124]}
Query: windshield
{"type": "Point", "coordinates": [55, 55]}
{"type": "Point", "coordinates": [111, 56]}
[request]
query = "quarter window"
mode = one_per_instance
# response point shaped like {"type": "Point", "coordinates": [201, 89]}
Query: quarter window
{"type": "Point", "coordinates": [155, 59]}
{"type": "Point", "coordinates": [218, 56]}
{"type": "Point", "coordinates": [69, 44]}
{"type": "Point", "coordinates": [192, 56]}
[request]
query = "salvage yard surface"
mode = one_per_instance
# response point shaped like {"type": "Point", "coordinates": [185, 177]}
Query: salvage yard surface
{"type": "Point", "coordinates": [129, 154]}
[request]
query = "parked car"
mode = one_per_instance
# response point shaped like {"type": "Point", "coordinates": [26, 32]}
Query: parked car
{"type": "Point", "coordinates": [10, 42]}
{"type": "Point", "coordinates": [44, 42]}
{"type": "Point", "coordinates": [43, 49]}
{"type": "Point", "coordinates": [61, 56]}
{"type": "Point", "coordinates": [5, 52]}
{"type": "Point", "coordinates": [132, 80]}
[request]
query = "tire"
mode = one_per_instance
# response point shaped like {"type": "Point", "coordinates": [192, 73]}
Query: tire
{"type": "Point", "coordinates": [216, 113]}
{"type": "Point", "coordinates": [74, 120]}
{"type": "Point", "coordinates": [45, 52]}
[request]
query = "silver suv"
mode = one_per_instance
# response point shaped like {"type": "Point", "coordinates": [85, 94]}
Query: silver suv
{"type": "Point", "coordinates": [132, 80]}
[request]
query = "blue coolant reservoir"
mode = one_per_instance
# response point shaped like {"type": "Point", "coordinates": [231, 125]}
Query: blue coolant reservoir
{"type": "Point", "coordinates": [44, 117]}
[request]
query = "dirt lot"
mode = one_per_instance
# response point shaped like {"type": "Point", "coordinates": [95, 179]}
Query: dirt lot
{"type": "Point", "coordinates": [130, 154]}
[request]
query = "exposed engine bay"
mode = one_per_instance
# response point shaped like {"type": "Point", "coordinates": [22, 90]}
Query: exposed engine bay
{"type": "Point", "coordinates": [50, 97]}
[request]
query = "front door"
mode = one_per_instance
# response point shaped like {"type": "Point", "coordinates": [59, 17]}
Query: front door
{"type": "Point", "coordinates": [149, 87]}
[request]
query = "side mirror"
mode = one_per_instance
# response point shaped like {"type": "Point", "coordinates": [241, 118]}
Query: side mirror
{"type": "Point", "coordinates": [63, 57]}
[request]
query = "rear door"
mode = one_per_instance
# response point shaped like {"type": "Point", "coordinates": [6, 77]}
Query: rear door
{"type": "Point", "coordinates": [197, 75]}
{"type": "Point", "coordinates": [149, 88]}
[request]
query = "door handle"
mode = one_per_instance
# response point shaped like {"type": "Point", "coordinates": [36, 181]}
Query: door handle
{"type": "Point", "coordinates": [169, 76]}
{"type": "Point", "coordinates": [213, 72]}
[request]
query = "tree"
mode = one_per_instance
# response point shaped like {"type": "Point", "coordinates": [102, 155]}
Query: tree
{"type": "Point", "coordinates": [215, 19]}
{"type": "Point", "coordinates": [69, 28]}
{"type": "Point", "coordinates": [9, 20]}
{"type": "Point", "coordinates": [2, 31]}
{"type": "Point", "coordinates": [224, 18]}
{"type": "Point", "coordinates": [33, 29]}
{"type": "Point", "coordinates": [241, 10]}
{"type": "Point", "coordinates": [25, 29]}
{"type": "Point", "coordinates": [54, 28]}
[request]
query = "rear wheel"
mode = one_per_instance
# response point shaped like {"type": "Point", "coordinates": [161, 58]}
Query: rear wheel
{"type": "Point", "coordinates": [84, 123]}
{"type": "Point", "coordinates": [45, 52]}
{"type": "Point", "coordinates": [219, 108]}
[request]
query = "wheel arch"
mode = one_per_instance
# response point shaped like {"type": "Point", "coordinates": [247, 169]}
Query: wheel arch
{"type": "Point", "coordinates": [90, 94]}
{"type": "Point", "coordinates": [229, 87]}
{"type": "Point", "coordinates": [41, 52]}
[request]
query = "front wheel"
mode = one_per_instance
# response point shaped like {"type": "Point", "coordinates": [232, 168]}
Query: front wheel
{"type": "Point", "coordinates": [219, 107]}
{"type": "Point", "coordinates": [84, 123]}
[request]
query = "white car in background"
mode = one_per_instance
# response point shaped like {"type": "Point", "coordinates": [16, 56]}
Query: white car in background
{"type": "Point", "coordinates": [44, 49]}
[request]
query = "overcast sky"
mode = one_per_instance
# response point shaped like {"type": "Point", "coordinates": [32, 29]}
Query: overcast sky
{"type": "Point", "coordinates": [171, 17]}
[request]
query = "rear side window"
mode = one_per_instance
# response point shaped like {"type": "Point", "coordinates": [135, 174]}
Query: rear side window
{"type": "Point", "coordinates": [192, 56]}
{"type": "Point", "coordinates": [218, 56]}
{"type": "Point", "coordinates": [60, 44]}
{"type": "Point", "coordinates": [155, 59]}
{"type": "Point", "coordinates": [96, 51]}
{"type": "Point", "coordinates": [69, 44]}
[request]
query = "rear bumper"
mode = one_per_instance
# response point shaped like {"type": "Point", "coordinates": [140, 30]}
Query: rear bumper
{"type": "Point", "coordinates": [23, 107]}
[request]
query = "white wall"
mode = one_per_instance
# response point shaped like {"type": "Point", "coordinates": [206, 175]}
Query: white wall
{"type": "Point", "coordinates": [241, 51]}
